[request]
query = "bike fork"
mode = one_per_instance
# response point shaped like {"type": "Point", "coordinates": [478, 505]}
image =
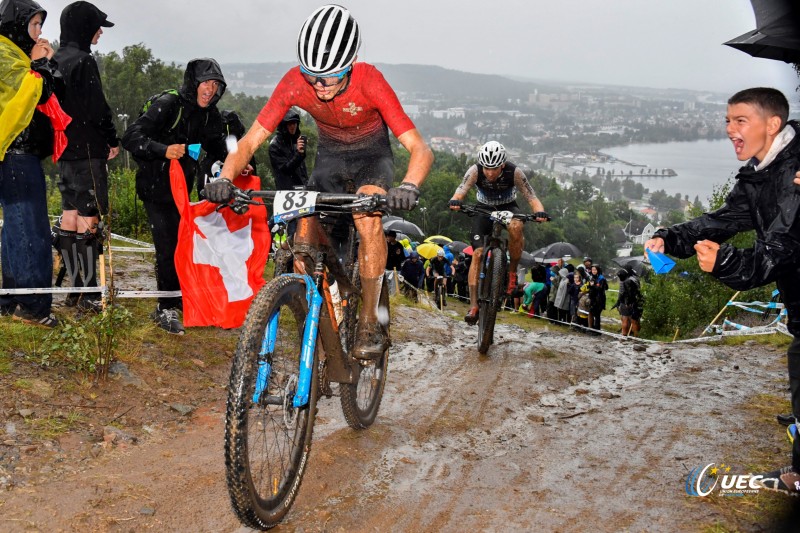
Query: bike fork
{"type": "Point", "coordinates": [307, 352]}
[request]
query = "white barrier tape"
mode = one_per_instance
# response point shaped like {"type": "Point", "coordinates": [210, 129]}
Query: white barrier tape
{"type": "Point", "coordinates": [147, 294]}
{"type": "Point", "coordinates": [151, 249]}
{"type": "Point", "coordinates": [119, 293]}
{"type": "Point", "coordinates": [131, 241]}
{"type": "Point", "coordinates": [52, 290]}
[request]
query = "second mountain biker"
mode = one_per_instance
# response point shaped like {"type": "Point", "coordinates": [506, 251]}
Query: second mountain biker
{"type": "Point", "coordinates": [497, 181]}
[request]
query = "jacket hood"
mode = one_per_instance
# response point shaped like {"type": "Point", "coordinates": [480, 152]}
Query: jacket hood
{"type": "Point", "coordinates": [291, 116]}
{"type": "Point", "coordinates": [198, 71]}
{"type": "Point", "coordinates": [14, 18]}
{"type": "Point", "coordinates": [80, 21]}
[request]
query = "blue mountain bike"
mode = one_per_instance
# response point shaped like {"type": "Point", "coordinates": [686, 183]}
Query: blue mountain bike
{"type": "Point", "coordinates": [297, 341]}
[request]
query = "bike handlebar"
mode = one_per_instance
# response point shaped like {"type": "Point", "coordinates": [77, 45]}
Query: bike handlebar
{"type": "Point", "coordinates": [474, 209]}
{"type": "Point", "coordinates": [339, 202]}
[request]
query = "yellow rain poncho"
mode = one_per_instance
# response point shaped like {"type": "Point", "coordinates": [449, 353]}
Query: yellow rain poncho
{"type": "Point", "coordinates": [20, 90]}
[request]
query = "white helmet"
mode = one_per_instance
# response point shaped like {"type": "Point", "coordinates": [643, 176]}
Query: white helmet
{"type": "Point", "coordinates": [329, 41]}
{"type": "Point", "coordinates": [492, 155]}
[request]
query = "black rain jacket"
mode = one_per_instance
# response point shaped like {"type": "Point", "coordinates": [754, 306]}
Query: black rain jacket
{"type": "Point", "coordinates": [92, 131]}
{"type": "Point", "coordinates": [288, 165]}
{"type": "Point", "coordinates": [768, 202]}
{"type": "Point", "coordinates": [150, 135]}
{"type": "Point", "coordinates": [37, 138]}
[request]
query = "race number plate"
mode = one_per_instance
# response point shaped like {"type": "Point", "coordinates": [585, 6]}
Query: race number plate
{"type": "Point", "coordinates": [289, 205]}
{"type": "Point", "coordinates": [504, 217]}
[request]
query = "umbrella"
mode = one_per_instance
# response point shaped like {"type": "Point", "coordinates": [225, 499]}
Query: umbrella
{"type": "Point", "coordinates": [428, 249]}
{"type": "Point", "coordinates": [777, 33]}
{"type": "Point", "coordinates": [403, 226]}
{"type": "Point", "coordinates": [635, 263]}
{"type": "Point", "coordinates": [468, 250]}
{"type": "Point", "coordinates": [555, 251]}
{"type": "Point", "coordinates": [441, 240]}
{"type": "Point", "coordinates": [526, 260]}
{"type": "Point", "coordinates": [458, 246]}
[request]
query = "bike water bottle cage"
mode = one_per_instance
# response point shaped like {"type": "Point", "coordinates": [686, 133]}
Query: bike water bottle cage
{"type": "Point", "coordinates": [504, 217]}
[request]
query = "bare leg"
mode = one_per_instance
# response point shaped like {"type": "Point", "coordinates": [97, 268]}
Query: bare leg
{"type": "Point", "coordinates": [473, 276]}
{"type": "Point", "coordinates": [372, 252]}
{"type": "Point", "coordinates": [516, 242]}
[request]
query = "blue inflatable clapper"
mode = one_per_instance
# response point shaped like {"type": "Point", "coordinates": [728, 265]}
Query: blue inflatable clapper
{"type": "Point", "coordinates": [660, 262]}
{"type": "Point", "coordinates": [194, 151]}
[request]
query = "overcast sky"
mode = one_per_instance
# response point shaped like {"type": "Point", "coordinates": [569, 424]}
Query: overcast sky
{"type": "Point", "coordinates": [652, 43]}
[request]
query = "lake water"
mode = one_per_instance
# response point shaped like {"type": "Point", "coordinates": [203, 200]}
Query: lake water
{"type": "Point", "coordinates": [700, 165]}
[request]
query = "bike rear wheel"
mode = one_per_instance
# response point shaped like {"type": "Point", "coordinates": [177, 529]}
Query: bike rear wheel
{"type": "Point", "coordinates": [267, 441]}
{"type": "Point", "coordinates": [361, 400]}
{"type": "Point", "coordinates": [490, 297]}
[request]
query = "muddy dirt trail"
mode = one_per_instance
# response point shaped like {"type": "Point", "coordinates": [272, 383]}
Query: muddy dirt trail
{"type": "Point", "coordinates": [554, 431]}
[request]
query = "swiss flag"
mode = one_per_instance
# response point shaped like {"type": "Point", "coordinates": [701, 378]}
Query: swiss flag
{"type": "Point", "coordinates": [220, 256]}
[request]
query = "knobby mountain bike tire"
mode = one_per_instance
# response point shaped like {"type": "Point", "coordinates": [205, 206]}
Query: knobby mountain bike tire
{"type": "Point", "coordinates": [492, 293]}
{"type": "Point", "coordinates": [267, 442]}
{"type": "Point", "coordinates": [361, 401]}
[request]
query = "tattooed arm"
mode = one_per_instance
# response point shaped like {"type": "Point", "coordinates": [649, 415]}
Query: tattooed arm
{"type": "Point", "coordinates": [524, 186]}
{"type": "Point", "coordinates": [469, 181]}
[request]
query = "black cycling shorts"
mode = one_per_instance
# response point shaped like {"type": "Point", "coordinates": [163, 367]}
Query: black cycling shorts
{"type": "Point", "coordinates": [84, 186]}
{"type": "Point", "coordinates": [347, 171]}
{"type": "Point", "coordinates": [482, 225]}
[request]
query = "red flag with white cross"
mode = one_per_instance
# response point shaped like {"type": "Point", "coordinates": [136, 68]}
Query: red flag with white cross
{"type": "Point", "coordinates": [220, 256]}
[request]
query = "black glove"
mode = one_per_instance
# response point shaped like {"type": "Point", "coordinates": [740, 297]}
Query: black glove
{"type": "Point", "coordinates": [455, 203]}
{"type": "Point", "coordinates": [403, 197]}
{"type": "Point", "coordinates": [541, 214]}
{"type": "Point", "coordinates": [219, 191]}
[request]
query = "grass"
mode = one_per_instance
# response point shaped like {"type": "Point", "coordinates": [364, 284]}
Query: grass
{"type": "Point", "coordinates": [23, 384]}
{"type": "Point", "coordinates": [51, 427]}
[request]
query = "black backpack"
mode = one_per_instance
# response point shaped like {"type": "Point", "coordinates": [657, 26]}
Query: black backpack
{"type": "Point", "coordinates": [155, 97]}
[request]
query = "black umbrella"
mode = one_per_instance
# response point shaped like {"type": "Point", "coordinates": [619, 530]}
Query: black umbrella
{"type": "Point", "coordinates": [777, 33]}
{"type": "Point", "coordinates": [555, 251]}
{"type": "Point", "coordinates": [526, 260]}
{"type": "Point", "coordinates": [634, 263]}
{"type": "Point", "coordinates": [403, 226]}
{"type": "Point", "coordinates": [457, 246]}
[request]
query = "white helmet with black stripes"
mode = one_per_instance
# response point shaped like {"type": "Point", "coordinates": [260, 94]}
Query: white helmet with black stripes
{"type": "Point", "coordinates": [329, 41]}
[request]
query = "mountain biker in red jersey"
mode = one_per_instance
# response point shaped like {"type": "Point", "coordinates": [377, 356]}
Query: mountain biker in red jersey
{"type": "Point", "coordinates": [497, 181]}
{"type": "Point", "coordinates": [354, 107]}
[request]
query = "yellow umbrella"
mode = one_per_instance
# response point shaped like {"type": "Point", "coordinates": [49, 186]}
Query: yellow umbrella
{"type": "Point", "coordinates": [428, 250]}
{"type": "Point", "coordinates": [439, 239]}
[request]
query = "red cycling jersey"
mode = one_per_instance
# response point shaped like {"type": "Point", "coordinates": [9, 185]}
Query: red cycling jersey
{"type": "Point", "coordinates": [357, 116]}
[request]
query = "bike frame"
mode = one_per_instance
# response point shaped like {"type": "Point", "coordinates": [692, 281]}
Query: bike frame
{"type": "Point", "coordinates": [320, 323]}
{"type": "Point", "coordinates": [491, 243]}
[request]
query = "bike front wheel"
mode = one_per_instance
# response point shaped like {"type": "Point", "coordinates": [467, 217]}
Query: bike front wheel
{"type": "Point", "coordinates": [490, 297]}
{"type": "Point", "coordinates": [267, 439]}
{"type": "Point", "coordinates": [361, 400]}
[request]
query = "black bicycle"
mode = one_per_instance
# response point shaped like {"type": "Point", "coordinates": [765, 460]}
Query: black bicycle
{"type": "Point", "coordinates": [279, 369]}
{"type": "Point", "coordinates": [493, 278]}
